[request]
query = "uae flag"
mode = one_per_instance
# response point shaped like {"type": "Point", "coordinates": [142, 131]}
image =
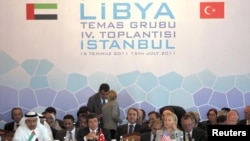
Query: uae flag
{"type": "Point", "coordinates": [41, 11]}
{"type": "Point", "coordinates": [33, 136]}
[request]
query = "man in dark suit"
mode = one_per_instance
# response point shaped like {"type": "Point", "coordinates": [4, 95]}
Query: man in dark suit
{"type": "Point", "coordinates": [131, 126]}
{"type": "Point", "coordinates": [96, 101]}
{"type": "Point", "coordinates": [93, 131]}
{"type": "Point", "coordinates": [57, 123]}
{"type": "Point", "coordinates": [16, 115]}
{"type": "Point", "coordinates": [190, 131]}
{"type": "Point", "coordinates": [246, 120]}
{"type": "Point", "coordinates": [70, 132]}
{"type": "Point", "coordinates": [150, 136]}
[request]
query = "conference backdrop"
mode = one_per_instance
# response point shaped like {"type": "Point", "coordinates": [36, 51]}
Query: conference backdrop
{"type": "Point", "coordinates": [153, 53]}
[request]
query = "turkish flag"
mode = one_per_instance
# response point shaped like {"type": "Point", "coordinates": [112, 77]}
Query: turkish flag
{"type": "Point", "coordinates": [101, 136]}
{"type": "Point", "coordinates": [210, 10]}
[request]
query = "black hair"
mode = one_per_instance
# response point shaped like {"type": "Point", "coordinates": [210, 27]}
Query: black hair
{"type": "Point", "coordinates": [104, 87]}
{"type": "Point", "coordinates": [133, 109]}
{"type": "Point", "coordinates": [68, 116]}
{"type": "Point", "coordinates": [225, 109]}
{"type": "Point", "coordinates": [91, 116]}
{"type": "Point", "coordinates": [83, 109]}
{"type": "Point", "coordinates": [84, 115]}
{"type": "Point", "coordinates": [157, 114]}
{"type": "Point", "coordinates": [15, 108]}
{"type": "Point", "coordinates": [143, 114]}
{"type": "Point", "coordinates": [212, 109]}
{"type": "Point", "coordinates": [166, 108]}
{"type": "Point", "coordinates": [50, 110]}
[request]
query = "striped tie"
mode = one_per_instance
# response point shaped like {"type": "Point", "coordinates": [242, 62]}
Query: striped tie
{"type": "Point", "coordinates": [70, 136]}
{"type": "Point", "coordinates": [131, 128]}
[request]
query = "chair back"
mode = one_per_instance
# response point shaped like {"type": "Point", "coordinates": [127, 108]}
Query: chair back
{"type": "Point", "coordinates": [132, 137]}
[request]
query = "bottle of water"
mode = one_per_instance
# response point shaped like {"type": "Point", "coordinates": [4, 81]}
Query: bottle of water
{"type": "Point", "coordinates": [181, 136]}
{"type": "Point", "coordinates": [121, 138]}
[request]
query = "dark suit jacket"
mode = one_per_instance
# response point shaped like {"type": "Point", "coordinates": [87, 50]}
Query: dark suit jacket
{"type": "Point", "coordinates": [60, 122]}
{"type": "Point", "coordinates": [9, 126]}
{"type": "Point", "coordinates": [146, 136]}
{"type": "Point", "coordinates": [123, 130]}
{"type": "Point", "coordinates": [54, 132]}
{"type": "Point", "coordinates": [95, 106]}
{"type": "Point", "coordinates": [198, 135]}
{"type": "Point", "coordinates": [62, 133]}
{"type": "Point", "coordinates": [242, 122]}
{"type": "Point", "coordinates": [84, 131]}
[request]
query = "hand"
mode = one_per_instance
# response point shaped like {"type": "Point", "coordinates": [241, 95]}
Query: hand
{"type": "Point", "coordinates": [91, 136]}
{"type": "Point", "coordinates": [175, 127]}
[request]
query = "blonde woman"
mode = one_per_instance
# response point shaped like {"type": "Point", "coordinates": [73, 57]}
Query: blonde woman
{"type": "Point", "coordinates": [170, 129]}
{"type": "Point", "coordinates": [111, 114]}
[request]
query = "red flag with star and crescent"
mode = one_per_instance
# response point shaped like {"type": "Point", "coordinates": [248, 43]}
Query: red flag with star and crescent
{"type": "Point", "coordinates": [101, 136]}
{"type": "Point", "coordinates": [210, 10]}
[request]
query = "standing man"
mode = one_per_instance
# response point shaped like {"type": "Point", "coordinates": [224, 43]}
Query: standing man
{"type": "Point", "coordinates": [70, 133]}
{"type": "Point", "coordinates": [31, 129]}
{"type": "Point", "coordinates": [96, 101]}
{"type": "Point", "coordinates": [16, 115]}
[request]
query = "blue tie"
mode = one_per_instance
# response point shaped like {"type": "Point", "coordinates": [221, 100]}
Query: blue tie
{"type": "Point", "coordinates": [131, 128]}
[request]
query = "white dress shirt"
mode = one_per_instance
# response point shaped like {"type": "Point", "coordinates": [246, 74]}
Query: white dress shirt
{"type": "Point", "coordinates": [72, 132]}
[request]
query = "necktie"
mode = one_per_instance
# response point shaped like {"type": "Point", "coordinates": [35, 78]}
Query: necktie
{"type": "Point", "coordinates": [103, 101]}
{"type": "Point", "coordinates": [189, 137]}
{"type": "Point", "coordinates": [70, 136]}
{"type": "Point", "coordinates": [17, 125]}
{"type": "Point", "coordinates": [131, 128]}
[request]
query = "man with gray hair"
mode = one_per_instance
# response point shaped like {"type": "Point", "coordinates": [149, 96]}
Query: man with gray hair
{"type": "Point", "coordinates": [232, 117]}
{"type": "Point", "coordinates": [246, 120]}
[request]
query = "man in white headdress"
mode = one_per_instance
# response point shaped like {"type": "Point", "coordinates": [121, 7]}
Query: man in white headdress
{"type": "Point", "coordinates": [45, 124]}
{"type": "Point", "coordinates": [31, 129]}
